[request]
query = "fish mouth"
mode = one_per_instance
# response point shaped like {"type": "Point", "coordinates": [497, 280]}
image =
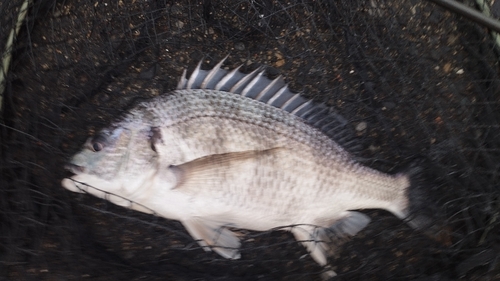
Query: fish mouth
{"type": "Point", "coordinates": [74, 168]}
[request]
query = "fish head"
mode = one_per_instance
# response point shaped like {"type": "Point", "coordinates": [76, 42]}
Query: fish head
{"type": "Point", "coordinates": [117, 161]}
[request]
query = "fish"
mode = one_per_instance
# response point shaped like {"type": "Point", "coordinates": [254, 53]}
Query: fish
{"type": "Point", "coordinates": [228, 150]}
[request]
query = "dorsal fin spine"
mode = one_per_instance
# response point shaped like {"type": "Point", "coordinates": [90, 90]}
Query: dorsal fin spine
{"type": "Point", "coordinates": [244, 80]}
{"type": "Point", "coordinates": [193, 76]}
{"type": "Point", "coordinates": [252, 83]}
{"type": "Point", "coordinates": [277, 94]}
{"type": "Point", "coordinates": [301, 107]}
{"type": "Point", "coordinates": [308, 110]}
{"type": "Point", "coordinates": [226, 78]}
{"type": "Point", "coordinates": [267, 88]}
{"type": "Point", "coordinates": [317, 116]}
{"type": "Point", "coordinates": [294, 97]}
{"type": "Point", "coordinates": [212, 73]}
{"type": "Point", "coordinates": [182, 82]}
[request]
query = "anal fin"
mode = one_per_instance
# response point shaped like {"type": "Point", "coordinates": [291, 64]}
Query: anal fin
{"type": "Point", "coordinates": [321, 242]}
{"type": "Point", "coordinates": [349, 224]}
{"type": "Point", "coordinates": [214, 236]}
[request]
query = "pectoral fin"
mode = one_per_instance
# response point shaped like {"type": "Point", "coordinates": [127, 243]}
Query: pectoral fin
{"type": "Point", "coordinates": [216, 168]}
{"type": "Point", "coordinates": [214, 236]}
{"type": "Point", "coordinates": [321, 242]}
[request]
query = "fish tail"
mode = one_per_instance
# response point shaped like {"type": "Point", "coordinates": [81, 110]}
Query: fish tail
{"type": "Point", "coordinates": [419, 211]}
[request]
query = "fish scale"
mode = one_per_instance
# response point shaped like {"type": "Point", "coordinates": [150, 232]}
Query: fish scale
{"type": "Point", "coordinates": [228, 149]}
{"type": "Point", "coordinates": [248, 114]}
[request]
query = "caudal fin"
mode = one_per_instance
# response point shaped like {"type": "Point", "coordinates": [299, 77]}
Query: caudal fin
{"type": "Point", "coordinates": [421, 212]}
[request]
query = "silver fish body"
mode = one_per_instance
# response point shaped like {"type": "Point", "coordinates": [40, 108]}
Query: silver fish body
{"type": "Point", "coordinates": [228, 149]}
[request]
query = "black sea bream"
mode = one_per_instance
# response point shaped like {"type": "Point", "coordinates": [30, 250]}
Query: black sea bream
{"type": "Point", "coordinates": [228, 149]}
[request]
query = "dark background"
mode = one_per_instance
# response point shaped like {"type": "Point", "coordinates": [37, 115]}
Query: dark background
{"type": "Point", "coordinates": [424, 80]}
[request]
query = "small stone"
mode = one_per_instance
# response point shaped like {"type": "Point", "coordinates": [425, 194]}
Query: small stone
{"type": "Point", "coordinates": [280, 63]}
{"type": "Point", "coordinates": [361, 126]}
{"type": "Point", "coordinates": [239, 46]}
{"type": "Point", "coordinates": [179, 24]}
{"type": "Point", "coordinates": [447, 67]}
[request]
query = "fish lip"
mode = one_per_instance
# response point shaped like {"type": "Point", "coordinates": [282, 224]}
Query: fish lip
{"type": "Point", "coordinates": [74, 168]}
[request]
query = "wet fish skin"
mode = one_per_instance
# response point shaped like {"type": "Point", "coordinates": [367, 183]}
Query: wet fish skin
{"type": "Point", "coordinates": [211, 159]}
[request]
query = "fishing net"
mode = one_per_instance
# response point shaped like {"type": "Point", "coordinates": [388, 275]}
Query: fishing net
{"type": "Point", "coordinates": [414, 81]}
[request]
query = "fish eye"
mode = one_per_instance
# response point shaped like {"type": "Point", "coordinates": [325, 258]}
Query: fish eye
{"type": "Point", "coordinates": [97, 143]}
{"type": "Point", "coordinates": [97, 146]}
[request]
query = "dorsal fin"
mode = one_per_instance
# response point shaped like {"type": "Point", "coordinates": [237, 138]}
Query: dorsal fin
{"type": "Point", "coordinates": [257, 86]}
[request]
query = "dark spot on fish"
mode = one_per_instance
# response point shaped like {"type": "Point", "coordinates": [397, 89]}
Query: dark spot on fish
{"type": "Point", "coordinates": [155, 137]}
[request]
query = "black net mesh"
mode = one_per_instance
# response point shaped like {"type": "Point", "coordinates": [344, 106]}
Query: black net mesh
{"type": "Point", "coordinates": [412, 78]}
